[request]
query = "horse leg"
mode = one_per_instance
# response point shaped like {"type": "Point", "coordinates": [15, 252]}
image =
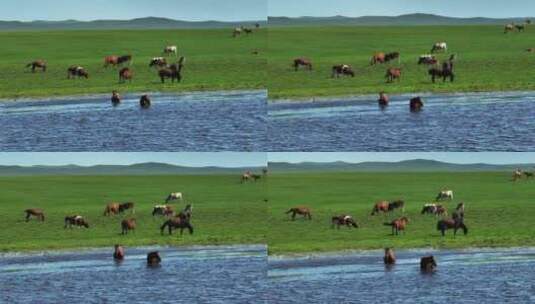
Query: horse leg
{"type": "Point", "coordinates": [293, 215]}
{"type": "Point", "coordinates": [27, 217]}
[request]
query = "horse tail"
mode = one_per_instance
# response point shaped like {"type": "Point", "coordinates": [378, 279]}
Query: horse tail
{"type": "Point", "coordinates": [163, 226]}
{"type": "Point", "coordinates": [465, 229]}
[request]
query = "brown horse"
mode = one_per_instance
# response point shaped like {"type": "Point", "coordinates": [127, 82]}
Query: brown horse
{"type": "Point", "coordinates": [76, 71]}
{"type": "Point", "coordinates": [186, 213]}
{"type": "Point", "coordinates": [75, 220]}
{"type": "Point", "coordinates": [342, 69]}
{"type": "Point", "coordinates": [124, 59]}
{"type": "Point", "coordinates": [125, 74]}
{"type": "Point", "coordinates": [41, 64]}
{"type": "Point", "coordinates": [36, 212]}
{"type": "Point", "coordinates": [158, 62]}
{"type": "Point", "coordinates": [111, 209]}
{"type": "Point", "coordinates": [128, 224]}
{"type": "Point", "coordinates": [153, 259]}
{"type": "Point", "coordinates": [393, 74]}
{"type": "Point", "coordinates": [428, 264]}
{"type": "Point", "coordinates": [435, 209]}
{"type": "Point", "coordinates": [125, 206]}
{"type": "Point", "coordinates": [416, 104]}
{"type": "Point", "coordinates": [144, 101]}
{"type": "Point", "coordinates": [118, 253]}
{"type": "Point", "coordinates": [390, 257]}
{"type": "Point", "coordinates": [378, 57]}
{"type": "Point", "coordinates": [110, 60]}
{"type": "Point", "coordinates": [343, 220]}
{"type": "Point", "coordinates": [165, 210]}
{"type": "Point", "coordinates": [305, 62]}
{"type": "Point", "coordinates": [398, 225]}
{"type": "Point", "coordinates": [383, 99]}
{"type": "Point", "coordinates": [173, 71]}
{"type": "Point", "coordinates": [115, 98]}
{"type": "Point", "coordinates": [301, 210]}
{"type": "Point", "coordinates": [455, 223]}
{"type": "Point", "coordinates": [177, 223]}
{"type": "Point", "coordinates": [445, 72]}
{"type": "Point", "coordinates": [392, 56]}
{"type": "Point", "coordinates": [381, 206]}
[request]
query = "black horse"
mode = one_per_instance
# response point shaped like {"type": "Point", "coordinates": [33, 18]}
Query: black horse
{"type": "Point", "coordinates": [445, 72]}
{"type": "Point", "coordinates": [177, 223]}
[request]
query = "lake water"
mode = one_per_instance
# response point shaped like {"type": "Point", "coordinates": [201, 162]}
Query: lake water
{"type": "Point", "coordinates": [503, 121]}
{"type": "Point", "coordinates": [466, 276]}
{"type": "Point", "coordinates": [213, 121]}
{"type": "Point", "coordinates": [226, 274]}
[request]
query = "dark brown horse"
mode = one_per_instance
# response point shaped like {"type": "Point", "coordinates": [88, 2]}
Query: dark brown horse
{"type": "Point", "coordinates": [342, 69]}
{"type": "Point", "coordinates": [435, 209]}
{"type": "Point", "coordinates": [153, 259]}
{"type": "Point", "coordinates": [343, 220]}
{"type": "Point", "coordinates": [35, 212]}
{"type": "Point", "coordinates": [393, 74]}
{"type": "Point", "coordinates": [127, 225]}
{"type": "Point", "coordinates": [383, 99]}
{"type": "Point", "coordinates": [177, 223]}
{"type": "Point", "coordinates": [158, 62]}
{"type": "Point", "coordinates": [115, 98]}
{"type": "Point", "coordinates": [186, 213]}
{"type": "Point", "coordinates": [37, 64]}
{"type": "Point", "coordinates": [416, 104]}
{"type": "Point", "coordinates": [305, 62]}
{"type": "Point", "coordinates": [165, 210]}
{"type": "Point", "coordinates": [75, 220]}
{"type": "Point", "coordinates": [126, 206]}
{"type": "Point", "coordinates": [144, 101]}
{"type": "Point", "coordinates": [118, 253]}
{"type": "Point", "coordinates": [390, 257]}
{"type": "Point", "coordinates": [77, 71]}
{"type": "Point", "coordinates": [398, 225]}
{"type": "Point", "coordinates": [301, 210]}
{"type": "Point", "coordinates": [455, 223]}
{"type": "Point", "coordinates": [124, 59]}
{"type": "Point", "coordinates": [173, 71]}
{"type": "Point", "coordinates": [445, 72]}
{"type": "Point", "coordinates": [428, 264]}
{"type": "Point", "coordinates": [126, 74]}
{"type": "Point", "coordinates": [392, 56]}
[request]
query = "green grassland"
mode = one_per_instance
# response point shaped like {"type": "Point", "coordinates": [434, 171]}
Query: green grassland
{"type": "Point", "coordinates": [487, 59]}
{"type": "Point", "coordinates": [499, 213]}
{"type": "Point", "coordinates": [224, 211]}
{"type": "Point", "coordinates": [214, 60]}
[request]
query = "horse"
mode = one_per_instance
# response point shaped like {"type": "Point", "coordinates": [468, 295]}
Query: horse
{"type": "Point", "coordinates": [378, 57]}
{"type": "Point", "coordinates": [173, 71]}
{"type": "Point", "coordinates": [427, 59]}
{"type": "Point", "coordinates": [383, 99]}
{"type": "Point", "coordinates": [125, 206]}
{"type": "Point", "coordinates": [74, 71]}
{"type": "Point", "coordinates": [301, 210]}
{"type": "Point", "coordinates": [455, 223]}
{"type": "Point", "coordinates": [153, 259]}
{"type": "Point", "coordinates": [158, 62]}
{"type": "Point", "coordinates": [174, 196]}
{"type": "Point", "coordinates": [176, 223]}
{"type": "Point", "coordinates": [118, 253]}
{"type": "Point", "coordinates": [381, 206]}
{"type": "Point", "coordinates": [247, 30]}
{"type": "Point", "coordinates": [444, 194]}
{"type": "Point", "coordinates": [342, 69]}
{"type": "Point", "coordinates": [390, 257]}
{"type": "Point", "coordinates": [128, 224]}
{"type": "Point", "coordinates": [302, 62]}
{"type": "Point", "coordinates": [435, 209]}
{"type": "Point", "coordinates": [392, 74]}
{"type": "Point", "coordinates": [509, 28]}
{"type": "Point", "coordinates": [416, 104]}
{"type": "Point", "coordinates": [391, 56]}
{"type": "Point", "coordinates": [399, 204]}
{"type": "Point", "coordinates": [165, 210]}
{"type": "Point", "coordinates": [343, 220]}
{"type": "Point", "coordinates": [110, 60]}
{"type": "Point", "coordinates": [75, 220]}
{"type": "Point", "coordinates": [144, 101]}
{"type": "Point", "coordinates": [124, 58]}
{"type": "Point", "coordinates": [237, 32]}
{"type": "Point", "coordinates": [520, 27]}
{"type": "Point", "coordinates": [41, 64]}
{"type": "Point", "coordinates": [125, 74]}
{"type": "Point", "coordinates": [439, 46]}
{"type": "Point", "coordinates": [247, 176]}
{"type": "Point", "coordinates": [36, 212]}
{"type": "Point", "coordinates": [445, 72]}
{"type": "Point", "coordinates": [517, 174]}
{"type": "Point", "coordinates": [111, 209]}
{"type": "Point", "coordinates": [398, 225]}
{"type": "Point", "coordinates": [428, 264]}
{"type": "Point", "coordinates": [170, 49]}
{"type": "Point", "coordinates": [528, 175]}
{"type": "Point", "coordinates": [115, 98]}
{"type": "Point", "coordinates": [186, 213]}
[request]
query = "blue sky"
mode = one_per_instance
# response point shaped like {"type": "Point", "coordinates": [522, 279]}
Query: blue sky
{"type": "Point", "coordinates": [455, 157]}
{"type": "Point", "coordinates": [223, 159]}
{"type": "Point", "coordinates": [194, 10]}
{"type": "Point", "coordinates": [354, 8]}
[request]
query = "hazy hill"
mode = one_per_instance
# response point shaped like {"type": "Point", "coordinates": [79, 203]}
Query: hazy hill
{"type": "Point", "coordinates": [410, 19]}
{"type": "Point", "coordinates": [139, 23]}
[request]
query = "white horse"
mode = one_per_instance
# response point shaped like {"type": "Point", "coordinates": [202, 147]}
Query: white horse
{"type": "Point", "coordinates": [171, 49]}
{"type": "Point", "coordinates": [445, 194]}
{"type": "Point", "coordinates": [174, 196]}
{"type": "Point", "coordinates": [439, 46]}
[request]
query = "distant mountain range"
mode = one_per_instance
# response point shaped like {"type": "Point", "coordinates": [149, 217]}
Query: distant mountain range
{"type": "Point", "coordinates": [410, 19]}
{"type": "Point", "coordinates": [139, 23]}
{"type": "Point", "coordinates": [417, 165]}
{"type": "Point", "coordinates": [136, 169]}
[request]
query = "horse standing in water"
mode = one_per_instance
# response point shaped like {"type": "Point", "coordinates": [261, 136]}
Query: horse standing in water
{"type": "Point", "coordinates": [144, 101]}
{"type": "Point", "coordinates": [37, 64]}
{"type": "Point", "coordinates": [115, 98]}
{"type": "Point", "coordinates": [118, 254]}
{"type": "Point", "coordinates": [153, 259]}
{"type": "Point", "coordinates": [428, 264]}
{"type": "Point", "coordinates": [383, 99]}
{"type": "Point", "coordinates": [390, 257]}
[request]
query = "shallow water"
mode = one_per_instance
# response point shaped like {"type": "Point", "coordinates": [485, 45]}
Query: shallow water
{"type": "Point", "coordinates": [226, 274]}
{"type": "Point", "coordinates": [213, 121]}
{"type": "Point", "coordinates": [468, 276]}
{"type": "Point", "coordinates": [501, 121]}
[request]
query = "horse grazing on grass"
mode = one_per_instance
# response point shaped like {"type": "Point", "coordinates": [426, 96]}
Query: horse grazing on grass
{"type": "Point", "coordinates": [528, 175]}
{"type": "Point", "coordinates": [176, 223]}
{"type": "Point", "coordinates": [174, 196]}
{"type": "Point", "coordinates": [455, 223]}
{"type": "Point", "coordinates": [398, 225]}
{"type": "Point", "coordinates": [435, 209]}
{"type": "Point", "coordinates": [125, 74]}
{"type": "Point", "coordinates": [124, 59]}
{"type": "Point", "coordinates": [384, 206]}
{"type": "Point", "coordinates": [173, 71]}
{"type": "Point", "coordinates": [445, 72]}
{"type": "Point", "coordinates": [126, 206]}
{"type": "Point", "coordinates": [301, 210]}
{"type": "Point", "coordinates": [127, 225]}
{"type": "Point", "coordinates": [342, 69]}
{"type": "Point", "coordinates": [508, 28]}
{"type": "Point", "coordinates": [390, 257]}
{"type": "Point", "coordinates": [165, 210]}
{"type": "Point", "coordinates": [439, 46]}
{"type": "Point", "coordinates": [520, 27]}
{"type": "Point", "coordinates": [158, 62]}
{"type": "Point", "coordinates": [75, 220]}
{"type": "Point", "coordinates": [76, 71]}
{"type": "Point", "coordinates": [517, 174]}
{"type": "Point", "coordinates": [392, 56]}
{"type": "Point", "coordinates": [393, 74]}
{"type": "Point", "coordinates": [444, 195]}
{"type": "Point", "coordinates": [37, 64]}
{"type": "Point", "coordinates": [427, 59]}
{"type": "Point", "coordinates": [428, 264]}
{"type": "Point", "coordinates": [111, 209]}
{"type": "Point", "coordinates": [305, 62]}
{"type": "Point", "coordinates": [343, 220]}
{"type": "Point", "coordinates": [170, 49]}
{"type": "Point", "coordinates": [378, 57]}
{"type": "Point", "coordinates": [35, 212]}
